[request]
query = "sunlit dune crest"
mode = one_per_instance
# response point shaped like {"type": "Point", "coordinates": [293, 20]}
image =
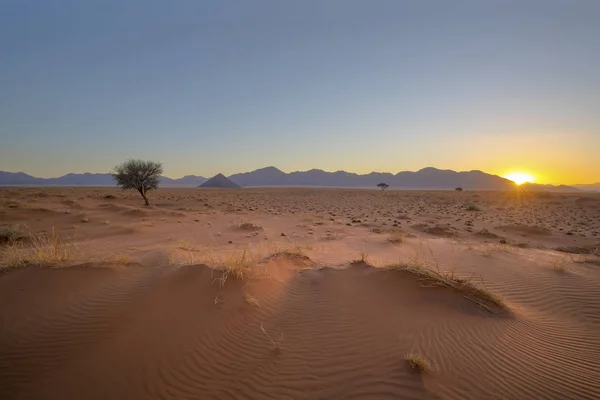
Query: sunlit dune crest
{"type": "Point", "coordinates": [520, 177]}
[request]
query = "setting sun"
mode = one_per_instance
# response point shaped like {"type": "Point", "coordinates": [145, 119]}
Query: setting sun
{"type": "Point", "coordinates": [520, 177]}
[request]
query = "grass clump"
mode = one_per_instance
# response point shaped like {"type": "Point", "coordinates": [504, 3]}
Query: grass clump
{"type": "Point", "coordinates": [9, 235]}
{"type": "Point", "coordinates": [248, 226]}
{"type": "Point", "coordinates": [188, 246]}
{"type": "Point", "coordinates": [364, 258]}
{"type": "Point", "coordinates": [560, 265]}
{"type": "Point", "coordinates": [238, 266]}
{"type": "Point", "coordinates": [46, 249]}
{"type": "Point", "coordinates": [472, 207]}
{"type": "Point", "coordinates": [396, 236]}
{"type": "Point", "coordinates": [290, 254]}
{"type": "Point", "coordinates": [417, 363]}
{"type": "Point", "coordinates": [434, 277]}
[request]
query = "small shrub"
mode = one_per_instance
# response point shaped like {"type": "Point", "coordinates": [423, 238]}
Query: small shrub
{"type": "Point", "coordinates": [417, 363]}
{"type": "Point", "coordinates": [247, 226]}
{"type": "Point", "coordinates": [472, 207]}
{"type": "Point", "coordinates": [459, 189]}
{"type": "Point", "coordinates": [364, 258]}
{"type": "Point", "coordinates": [560, 265]}
{"type": "Point", "coordinates": [396, 237]}
{"type": "Point", "coordinates": [10, 235]}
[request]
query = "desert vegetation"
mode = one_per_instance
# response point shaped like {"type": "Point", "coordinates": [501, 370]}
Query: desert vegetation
{"type": "Point", "coordinates": [140, 175]}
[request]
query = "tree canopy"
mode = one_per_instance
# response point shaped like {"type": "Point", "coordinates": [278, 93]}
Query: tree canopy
{"type": "Point", "coordinates": [140, 175]}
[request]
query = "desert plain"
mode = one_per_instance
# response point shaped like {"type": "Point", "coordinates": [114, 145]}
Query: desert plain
{"type": "Point", "coordinates": [299, 293]}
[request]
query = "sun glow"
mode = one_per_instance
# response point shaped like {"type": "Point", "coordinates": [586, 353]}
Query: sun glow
{"type": "Point", "coordinates": [520, 177]}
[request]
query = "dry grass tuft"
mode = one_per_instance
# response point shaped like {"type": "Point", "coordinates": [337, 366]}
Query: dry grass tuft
{"type": "Point", "coordinates": [472, 207]}
{"type": "Point", "coordinates": [435, 277]}
{"type": "Point", "coordinates": [10, 235]}
{"type": "Point", "coordinates": [251, 300]}
{"type": "Point", "coordinates": [561, 264]}
{"type": "Point", "coordinates": [239, 264]}
{"type": "Point", "coordinates": [331, 236]}
{"type": "Point", "coordinates": [45, 250]}
{"type": "Point", "coordinates": [187, 246]}
{"type": "Point", "coordinates": [489, 249]}
{"type": "Point", "coordinates": [296, 254]}
{"type": "Point", "coordinates": [276, 346]}
{"type": "Point", "coordinates": [396, 236]}
{"type": "Point", "coordinates": [248, 226]}
{"type": "Point", "coordinates": [118, 259]}
{"type": "Point", "coordinates": [364, 258]}
{"type": "Point", "coordinates": [417, 363]}
{"type": "Point", "coordinates": [9, 203]}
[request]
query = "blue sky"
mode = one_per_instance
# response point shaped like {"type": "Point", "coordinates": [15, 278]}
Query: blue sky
{"type": "Point", "coordinates": [230, 86]}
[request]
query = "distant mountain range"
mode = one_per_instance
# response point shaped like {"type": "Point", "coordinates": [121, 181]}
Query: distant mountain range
{"type": "Point", "coordinates": [426, 178]}
{"type": "Point", "coordinates": [87, 179]}
{"type": "Point", "coordinates": [595, 187]}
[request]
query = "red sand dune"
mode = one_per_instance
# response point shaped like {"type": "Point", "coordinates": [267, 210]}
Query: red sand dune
{"type": "Point", "coordinates": [153, 329]}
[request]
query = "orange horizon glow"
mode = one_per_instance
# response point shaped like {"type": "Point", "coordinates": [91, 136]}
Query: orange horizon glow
{"type": "Point", "coordinates": [520, 177]}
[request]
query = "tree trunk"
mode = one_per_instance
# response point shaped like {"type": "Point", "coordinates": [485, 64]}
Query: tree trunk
{"type": "Point", "coordinates": [143, 193]}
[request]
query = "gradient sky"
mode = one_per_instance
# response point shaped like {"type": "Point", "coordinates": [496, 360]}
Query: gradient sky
{"type": "Point", "coordinates": [230, 86]}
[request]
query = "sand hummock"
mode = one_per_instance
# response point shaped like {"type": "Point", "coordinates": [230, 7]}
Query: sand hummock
{"type": "Point", "coordinates": [299, 294]}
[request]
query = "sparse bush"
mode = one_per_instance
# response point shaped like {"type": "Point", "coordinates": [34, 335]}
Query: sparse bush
{"type": "Point", "coordinates": [10, 235]}
{"type": "Point", "coordinates": [472, 207]}
{"type": "Point", "coordinates": [139, 175]}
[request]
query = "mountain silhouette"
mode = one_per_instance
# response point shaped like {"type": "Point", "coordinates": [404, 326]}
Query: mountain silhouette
{"type": "Point", "coordinates": [537, 187]}
{"type": "Point", "coordinates": [426, 178]}
{"type": "Point", "coordinates": [219, 181]}
{"type": "Point", "coordinates": [87, 179]}
{"type": "Point", "coordinates": [594, 187]}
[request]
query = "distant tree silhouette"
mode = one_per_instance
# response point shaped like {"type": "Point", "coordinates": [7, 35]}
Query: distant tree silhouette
{"type": "Point", "coordinates": [459, 189]}
{"type": "Point", "coordinates": [139, 175]}
{"type": "Point", "coordinates": [383, 186]}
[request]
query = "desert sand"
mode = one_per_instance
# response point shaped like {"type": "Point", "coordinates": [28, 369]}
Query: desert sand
{"type": "Point", "coordinates": [299, 294]}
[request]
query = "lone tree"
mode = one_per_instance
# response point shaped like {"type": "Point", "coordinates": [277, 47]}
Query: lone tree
{"type": "Point", "coordinates": [383, 186]}
{"type": "Point", "coordinates": [139, 175]}
{"type": "Point", "coordinates": [459, 189]}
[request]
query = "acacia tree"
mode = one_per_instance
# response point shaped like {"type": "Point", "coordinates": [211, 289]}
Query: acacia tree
{"type": "Point", "coordinates": [139, 175]}
{"type": "Point", "coordinates": [383, 186]}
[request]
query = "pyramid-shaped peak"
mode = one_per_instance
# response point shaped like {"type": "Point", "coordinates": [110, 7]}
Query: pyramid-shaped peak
{"type": "Point", "coordinates": [220, 181]}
